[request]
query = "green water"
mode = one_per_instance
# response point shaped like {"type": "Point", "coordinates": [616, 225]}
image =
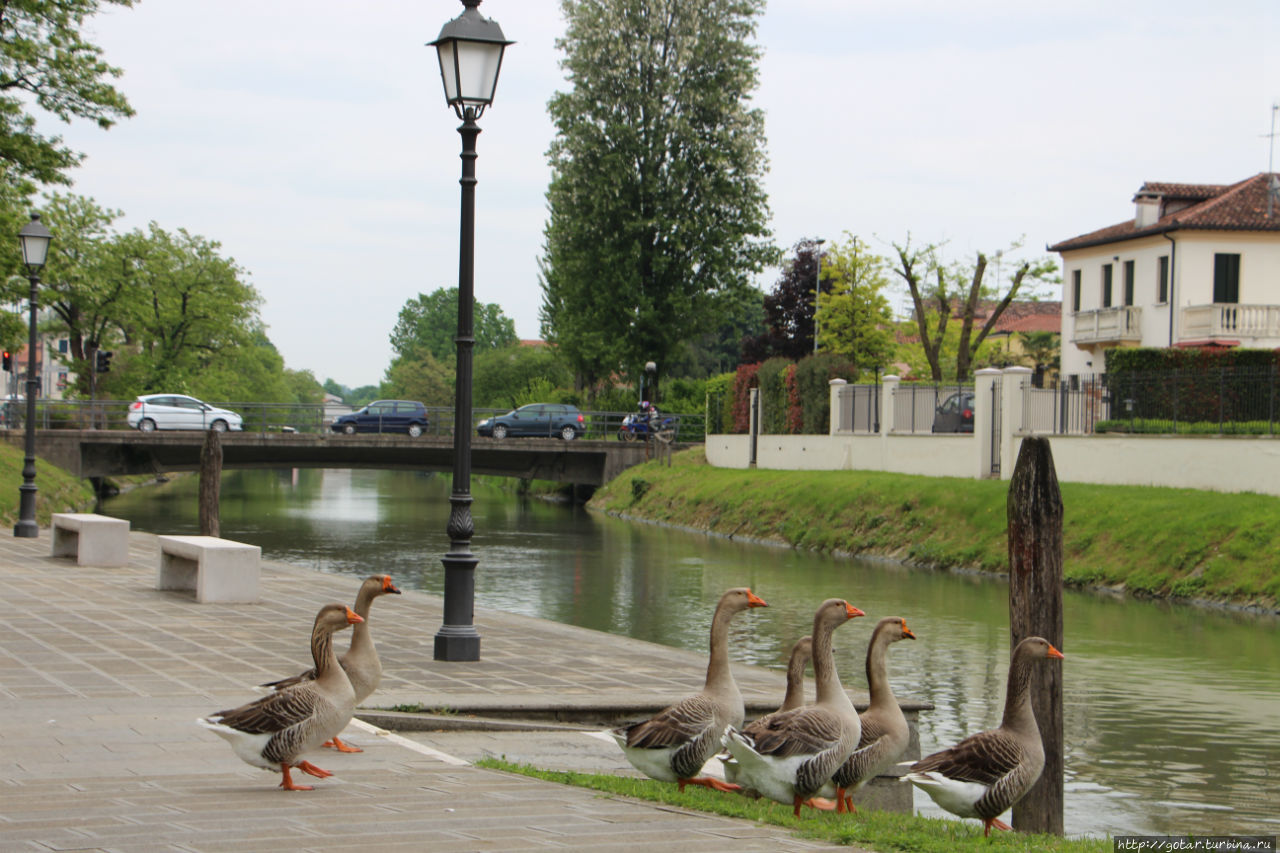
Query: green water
{"type": "Point", "coordinates": [1172, 712]}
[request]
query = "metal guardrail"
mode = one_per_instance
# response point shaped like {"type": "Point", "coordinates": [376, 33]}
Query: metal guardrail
{"type": "Point", "coordinates": [302, 418]}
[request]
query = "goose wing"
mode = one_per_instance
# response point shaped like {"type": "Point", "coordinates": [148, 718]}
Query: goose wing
{"type": "Point", "coordinates": [274, 712]}
{"type": "Point", "coordinates": [984, 758]}
{"type": "Point", "coordinates": [803, 731]}
{"type": "Point", "coordinates": [683, 722]}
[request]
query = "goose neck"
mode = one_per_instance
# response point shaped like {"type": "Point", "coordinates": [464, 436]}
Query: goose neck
{"type": "Point", "coordinates": [1018, 713]}
{"type": "Point", "coordinates": [718, 671]}
{"type": "Point", "coordinates": [829, 690]}
{"type": "Point", "coordinates": [322, 653]}
{"type": "Point", "coordinates": [878, 670]}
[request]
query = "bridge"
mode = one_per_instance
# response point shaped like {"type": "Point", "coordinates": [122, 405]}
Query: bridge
{"type": "Point", "coordinates": [108, 453]}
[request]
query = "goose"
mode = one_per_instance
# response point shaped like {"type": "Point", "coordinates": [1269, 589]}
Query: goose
{"type": "Point", "coordinates": [673, 745]}
{"type": "Point", "coordinates": [277, 729]}
{"type": "Point", "coordinates": [795, 753]}
{"type": "Point", "coordinates": [801, 653]}
{"type": "Point", "coordinates": [986, 773]}
{"type": "Point", "coordinates": [884, 727]}
{"type": "Point", "coordinates": [360, 661]}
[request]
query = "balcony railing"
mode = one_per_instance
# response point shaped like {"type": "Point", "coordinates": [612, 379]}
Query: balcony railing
{"type": "Point", "coordinates": [1243, 322]}
{"type": "Point", "coordinates": [1107, 324]}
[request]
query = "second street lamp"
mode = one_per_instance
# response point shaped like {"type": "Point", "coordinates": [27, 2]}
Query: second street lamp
{"type": "Point", "coordinates": [470, 49]}
{"type": "Point", "coordinates": [35, 239]}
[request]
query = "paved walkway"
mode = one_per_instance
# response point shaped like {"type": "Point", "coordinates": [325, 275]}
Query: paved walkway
{"type": "Point", "coordinates": [102, 678]}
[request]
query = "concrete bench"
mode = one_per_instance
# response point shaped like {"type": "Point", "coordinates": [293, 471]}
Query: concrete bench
{"type": "Point", "coordinates": [214, 569]}
{"type": "Point", "coordinates": [94, 540]}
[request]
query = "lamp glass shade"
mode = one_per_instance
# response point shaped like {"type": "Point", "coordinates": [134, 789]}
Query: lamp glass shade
{"type": "Point", "coordinates": [469, 70]}
{"type": "Point", "coordinates": [35, 239]}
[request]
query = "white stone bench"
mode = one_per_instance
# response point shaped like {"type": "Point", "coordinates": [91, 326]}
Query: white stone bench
{"type": "Point", "coordinates": [94, 540]}
{"type": "Point", "coordinates": [215, 569]}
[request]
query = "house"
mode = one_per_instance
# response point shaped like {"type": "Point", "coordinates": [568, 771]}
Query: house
{"type": "Point", "coordinates": [1197, 266]}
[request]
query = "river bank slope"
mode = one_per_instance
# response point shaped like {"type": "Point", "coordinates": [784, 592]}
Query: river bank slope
{"type": "Point", "coordinates": [1168, 543]}
{"type": "Point", "coordinates": [57, 490]}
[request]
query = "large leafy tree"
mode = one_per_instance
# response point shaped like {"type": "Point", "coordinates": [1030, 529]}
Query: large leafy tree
{"type": "Point", "coordinates": [510, 377]}
{"type": "Point", "coordinates": [656, 199]}
{"type": "Point", "coordinates": [428, 324]}
{"type": "Point", "coordinates": [45, 61]}
{"type": "Point", "coordinates": [854, 317]}
{"type": "Point", "coordinates": [789, 308]}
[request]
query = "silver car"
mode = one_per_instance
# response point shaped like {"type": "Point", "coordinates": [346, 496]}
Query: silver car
{"type": "Point", "coordinates": [178, 411]}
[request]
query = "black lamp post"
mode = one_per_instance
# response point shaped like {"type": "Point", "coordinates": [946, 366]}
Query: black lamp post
{"type": "Point", "coordinates": [470, 49]}
{"type": "Point", "coordinates": [34, 238]}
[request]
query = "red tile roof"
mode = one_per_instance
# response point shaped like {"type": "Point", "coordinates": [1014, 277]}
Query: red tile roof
{"type": "Point", "coordinates": [1234, 207]}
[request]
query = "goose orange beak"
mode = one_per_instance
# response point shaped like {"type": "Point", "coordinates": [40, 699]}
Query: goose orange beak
{"type": "Point", "coordinates": [388, 586]}
{"type": "Point", "coordinates": [852, 611]}
{"type": "Point", "coordinates": [754, 600]}
{"type": "Point", "coordinates": [353, 617]}
{"type": "Point", "coordinates": [1054, 653]}
{"type": "Point", "coordinates": [906, 632]}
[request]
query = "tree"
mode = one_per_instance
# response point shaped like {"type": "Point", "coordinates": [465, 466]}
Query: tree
{"type": "Point", "coordinates": [656, 199]}
{"type": "Point", "coordinates": [45, 61]}
{"type": "Point", "coordinates": [854, 317]}
{"type": "Point", "coordinates": [918, 266]}
{"type": "Point", "coordinates": [421, 378]}
{"type": "Point", "coordinates": [741, 318]}
{"type": "Point", "coordinates": [506, 377]}
{"type": "Point", "coordinates": [789, 308]}
{"type": "Point", "coordinates": [429, 323]}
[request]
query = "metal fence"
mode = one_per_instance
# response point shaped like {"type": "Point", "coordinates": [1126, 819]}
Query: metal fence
{"type": "Point", "coordinates": [1223, 401]}
{"type": "Point", "coordinates": [915, 406]}
{"type": "Point", "coordinates": [857, 409]}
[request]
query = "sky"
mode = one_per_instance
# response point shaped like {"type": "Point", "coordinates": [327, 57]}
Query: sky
{"type": "Point", "coordinates": [312, 140]}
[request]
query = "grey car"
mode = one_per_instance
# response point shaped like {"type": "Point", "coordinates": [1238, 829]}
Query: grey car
{"type": "Point", "coordinates": [546, 420]}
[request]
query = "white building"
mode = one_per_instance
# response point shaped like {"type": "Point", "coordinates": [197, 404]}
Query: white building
{"type": "Point", "coordinates": [1198, 265]}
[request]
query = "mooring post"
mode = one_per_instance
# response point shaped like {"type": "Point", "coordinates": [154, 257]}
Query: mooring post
{"type": "Point", "coordinates": [1035, 610]}
{"type": "Point", "coordinates": [210, 483]}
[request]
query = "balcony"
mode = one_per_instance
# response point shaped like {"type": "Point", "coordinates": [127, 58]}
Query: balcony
{"type": "Point", "coordinates": [1251, 325]}
{"type": "Point", "coordinates": [1107, 325]}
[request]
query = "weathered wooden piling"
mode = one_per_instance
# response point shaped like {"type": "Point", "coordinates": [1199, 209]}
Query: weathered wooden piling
{"type": "Point", "coordinates": [1035, 610]}
{"type": "Point", "coordinates": [210, 483]}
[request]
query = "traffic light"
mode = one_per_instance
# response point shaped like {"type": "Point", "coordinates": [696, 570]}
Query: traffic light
{"type": "Point", "coordinates": [8, 360]}
{"type": "Point", "coordinates": [102, 361]}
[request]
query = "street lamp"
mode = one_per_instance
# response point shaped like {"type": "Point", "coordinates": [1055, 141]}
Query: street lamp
{"type": "Point", "coordinates": [817, 288]}
{"type": "Point", "coordinates": [34, 238]}
{"type": "Point", "coordinates": [650, 368]}
{"type": "Point", "coordinates": [470, 49]}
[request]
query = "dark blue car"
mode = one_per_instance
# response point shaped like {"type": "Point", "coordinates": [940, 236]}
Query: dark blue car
{"type": "Point", "coordinates": [545, 420]}
{"type": "Point", "coordinates": [406, 416]}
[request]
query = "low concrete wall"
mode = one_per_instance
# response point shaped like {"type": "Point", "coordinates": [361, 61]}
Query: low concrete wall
{"type": "Point", "coordinates": [1217, 462]}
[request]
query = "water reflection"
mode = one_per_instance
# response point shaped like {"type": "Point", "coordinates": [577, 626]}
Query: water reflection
{"type": "Point", "coordinates": [1172, 713]}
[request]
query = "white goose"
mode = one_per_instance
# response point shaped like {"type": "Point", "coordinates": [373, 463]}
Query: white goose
{"type": "Point", "coordinates": [673, 745]}
{"type": "Point", "coordinates": [274, 732]}
{"type": "Point", "coordinates": [792, 698]}
{"type": "Point", "coordinates": [792, 756]}
{"type": "Point", "coordinates": [986, 773]}
{"type": "Point", "coordinates": [360, 662]}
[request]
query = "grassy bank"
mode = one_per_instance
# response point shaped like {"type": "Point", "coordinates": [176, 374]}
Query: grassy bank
{"type": "Point", "coordinates": [57, 490]}
{"type": "Point", "coordinates": [871, 829]}
{"type": "Point", "coordinates": [1177, 543]}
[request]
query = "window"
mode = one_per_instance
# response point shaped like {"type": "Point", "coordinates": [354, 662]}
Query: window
{"type": "Point", "coordinates": [63, 344]}
{"type": "Point", "coordinates": [1162, 282]}
{"type": "Point", "coordinates": [1128, 282]}
{"type": "Point", "coordinates": [1075, 290]}
{"type": "Point", "coordinates": [1226, 278]}
{"type": "Point", "coordinates": [1106, 285]}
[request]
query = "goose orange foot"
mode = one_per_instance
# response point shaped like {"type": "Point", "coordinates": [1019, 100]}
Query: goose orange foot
{"type": "Point", "coordinates": [844, 803]}
{"type": "Point", "coordinates": [997, 823]}
{"type": "Point", "coordinates": [287, 781]}
{"type": "Point", "coordinates": [710, 782]}
{"type": "Point", "coordinates": [311, 769]}
{"type": "Point", "coordinates": [820, 803]}
{"type": "Point", "coordinates": [337, 744]}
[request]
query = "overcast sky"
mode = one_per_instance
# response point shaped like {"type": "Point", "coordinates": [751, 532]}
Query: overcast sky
{"type": "Point", "coordinates": [312, 140]}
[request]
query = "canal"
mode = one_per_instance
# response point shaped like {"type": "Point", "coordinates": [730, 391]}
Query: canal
{"type": "Point", "coordinates": [1172, 712]}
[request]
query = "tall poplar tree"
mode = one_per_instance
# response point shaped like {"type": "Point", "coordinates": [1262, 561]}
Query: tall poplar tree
{"type": "Point", "coordinates": [657, 207]}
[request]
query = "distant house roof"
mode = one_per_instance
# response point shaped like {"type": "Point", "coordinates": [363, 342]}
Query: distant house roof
{"type": "Point", "coordinates": [533, 342]}
{"type": "Point", "coordinates": [1210, 207]}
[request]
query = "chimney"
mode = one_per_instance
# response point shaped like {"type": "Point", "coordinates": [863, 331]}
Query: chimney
{"type": "Point", "coordinates": [1148, 210]}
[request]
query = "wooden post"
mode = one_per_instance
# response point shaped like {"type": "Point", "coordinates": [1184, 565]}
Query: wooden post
{"type": "Point", "coordinates": [1035, 610]}
{"type": "Point", "coordinates": [210, 483]}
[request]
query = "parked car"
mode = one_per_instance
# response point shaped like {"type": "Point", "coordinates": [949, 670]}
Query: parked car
{"type": "Point", "coordinates": [178, 411]}
{"type": "Point", "coordinates": [385, 416]}
{"type": "Point", "coordinates": [546, 420]}
{"type": "Point", "coordinates": [955, 414]}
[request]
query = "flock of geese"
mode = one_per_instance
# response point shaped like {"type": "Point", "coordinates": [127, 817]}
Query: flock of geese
{"type": "Point", "coordinates": [801, 755]}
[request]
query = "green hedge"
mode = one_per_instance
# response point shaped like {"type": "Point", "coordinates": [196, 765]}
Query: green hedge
{"type": "Point", "coordinates": [795, 397]}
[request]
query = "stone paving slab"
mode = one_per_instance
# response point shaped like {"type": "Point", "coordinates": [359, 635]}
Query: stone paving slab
{"type": "Point", "coordinates": [102, 678]}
